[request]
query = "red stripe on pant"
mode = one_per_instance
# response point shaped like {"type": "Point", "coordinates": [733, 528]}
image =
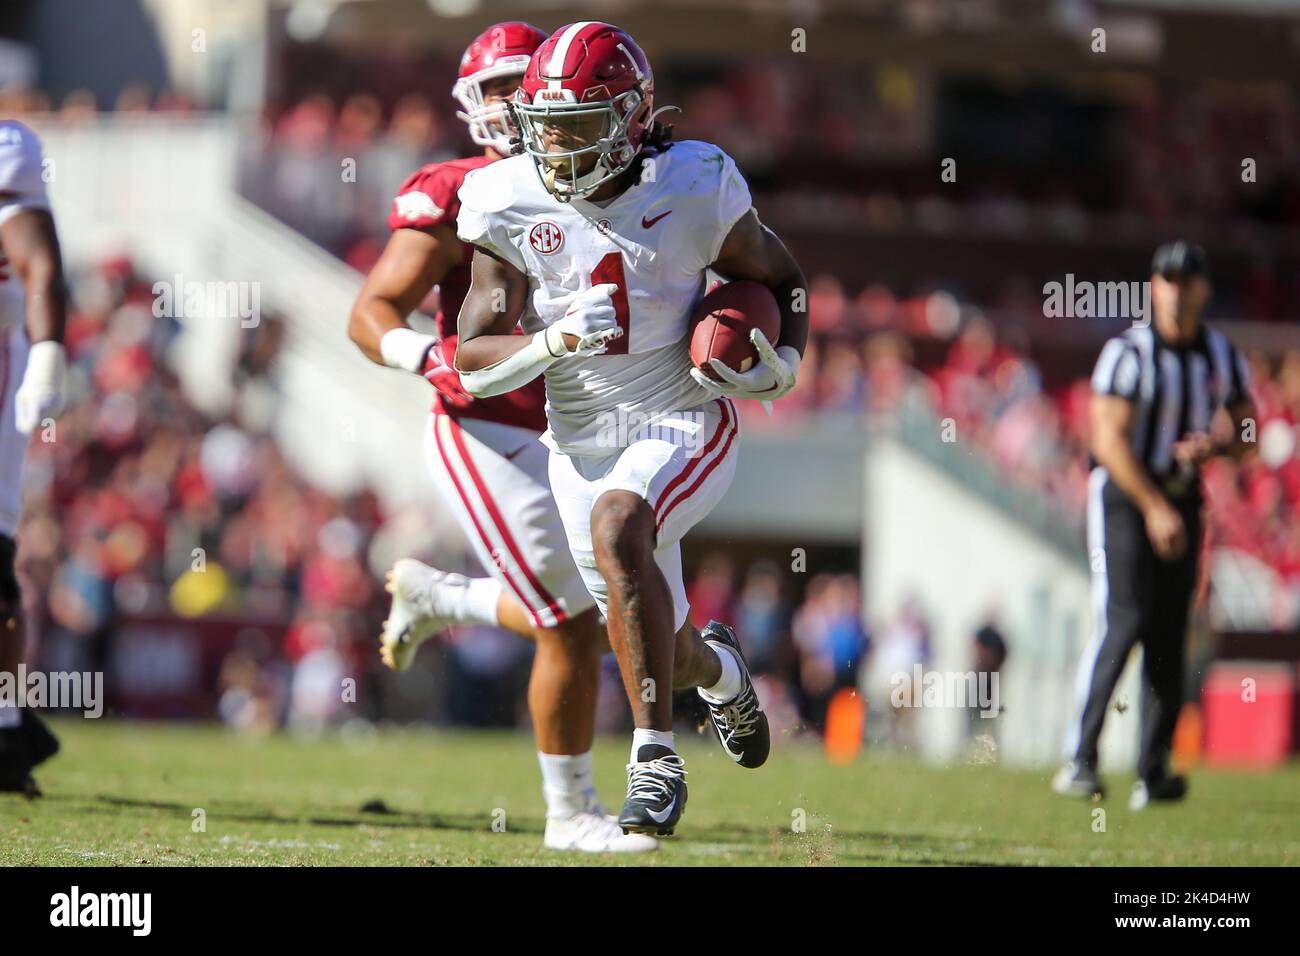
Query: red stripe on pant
{"type": "Point", "coordinates": [473, 515]}
{"type": "Point", "coordinates": [726, 425]}
{"type": "Point", "coordinates": [707, 470]}
{"type": "Point", "coordinates": [549, 603]}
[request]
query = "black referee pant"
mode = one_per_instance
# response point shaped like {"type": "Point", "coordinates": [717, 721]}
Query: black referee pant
{"type": "Point", "coordinates": [1137, 597]}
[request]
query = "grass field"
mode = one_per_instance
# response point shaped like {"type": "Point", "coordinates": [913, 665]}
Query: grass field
{"type": "Point", "coordinates": [125, 794]}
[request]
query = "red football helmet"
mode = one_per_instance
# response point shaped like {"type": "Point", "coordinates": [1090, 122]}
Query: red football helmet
{"type": "Point", "coordinates": [588, 91]}
{"type": "Point", "coordinates": [503, 49]}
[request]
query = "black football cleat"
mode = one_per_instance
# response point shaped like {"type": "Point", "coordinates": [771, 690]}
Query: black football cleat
{"type": "Point", "coordinates": [656, 792]}
{"type": "Point", "coordinates": [1078, 780]}
{"type": "Point", "coordinates": [740, 723]}
{"type": "Point", "coordinates": [1165, 789]}
{"type": "Point", "coordinates": [41, 742]}
{"type": "Point", "coordinates": [15, 763]}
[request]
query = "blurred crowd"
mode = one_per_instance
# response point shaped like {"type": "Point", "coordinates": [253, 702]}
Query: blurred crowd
{"type": "Point", "coordinates": [1033, 431]}
{"type": "Point", "coordinates": [866, 136]}
{"type": "Point", "coordinates": [872, 156]}
{"type": "Point", "coordinates": [137, 502]}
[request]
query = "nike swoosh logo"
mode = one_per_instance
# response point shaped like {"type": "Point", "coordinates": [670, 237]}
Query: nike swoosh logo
{"type": "Point", "coordinates": [647, 223]}
{"type": "Point", "coordinates": [511, 456]}
{"type": "Point", "coordinates": [662, 816]}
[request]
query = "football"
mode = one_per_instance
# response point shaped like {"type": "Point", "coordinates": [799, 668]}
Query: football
{"type": "Point", "coordinates": [722, 321]}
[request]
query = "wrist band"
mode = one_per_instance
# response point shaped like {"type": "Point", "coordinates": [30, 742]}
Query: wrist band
{"type": "Point", "coordinates": [554, 341]}
{"type": "Point", "coordinates": [406, 348]}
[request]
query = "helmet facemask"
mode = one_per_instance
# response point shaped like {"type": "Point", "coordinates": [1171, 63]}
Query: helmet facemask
{"type": "Point", "coordinates": [602, 129]}
{"type": "Point", "coordinates": [490, 124]}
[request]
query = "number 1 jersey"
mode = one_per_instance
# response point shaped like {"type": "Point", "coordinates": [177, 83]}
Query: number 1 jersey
{"type": "Point", "coordinates": [655, 241]}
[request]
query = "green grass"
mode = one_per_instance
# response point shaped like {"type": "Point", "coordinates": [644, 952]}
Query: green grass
{"type": "Point", "coordinates": [124, 794]}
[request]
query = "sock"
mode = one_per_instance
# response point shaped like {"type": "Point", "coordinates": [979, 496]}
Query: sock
{"type": "Point", "coordinates": [567, 783]}
{"type": "Point", "coordinates": [478, 602]}
{"type": "Point", "coordinates": [10, 715]}
{"type": "Point", "coordinates": [664, 738]}
{"type": "Point", "coordinates": [729, 684]}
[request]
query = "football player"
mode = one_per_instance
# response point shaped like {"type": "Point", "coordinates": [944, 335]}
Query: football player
{"type": "Point", "coordinates": [598, 237]}
{"type": "Point", "coordinates": [489, 467]}
{"type": "Point", "coordinates": [33, 310]}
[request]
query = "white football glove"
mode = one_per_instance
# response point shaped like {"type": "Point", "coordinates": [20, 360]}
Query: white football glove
{"type": "Point", "coordinates": [592, 318]}
{"type": "Point", "coordinates": [773, 376]}
{"type": "Point", "coordinates": [40, 396]}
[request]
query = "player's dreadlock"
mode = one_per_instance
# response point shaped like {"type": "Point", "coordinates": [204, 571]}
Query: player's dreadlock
{"type": "Point", "coordinates": [658, 139]}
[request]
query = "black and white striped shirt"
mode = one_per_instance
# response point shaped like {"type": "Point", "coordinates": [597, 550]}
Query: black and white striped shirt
{"type": "Point", "coordinates": [1175, 390]}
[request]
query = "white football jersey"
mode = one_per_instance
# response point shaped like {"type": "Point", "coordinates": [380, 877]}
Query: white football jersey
{"type": "Point", "coordinates": [655, 241]}
{"type": "Point", "coordinates": [22, 186]}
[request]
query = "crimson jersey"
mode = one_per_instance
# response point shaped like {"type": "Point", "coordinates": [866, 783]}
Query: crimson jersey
{"type": "Point", "coordinates": [430, 198]}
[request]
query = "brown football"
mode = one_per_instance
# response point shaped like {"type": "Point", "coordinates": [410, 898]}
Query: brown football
{"type": "Point", "coordinates": [721, 323]}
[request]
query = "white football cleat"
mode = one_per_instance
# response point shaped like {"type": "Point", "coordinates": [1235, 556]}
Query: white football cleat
{"type": "Point", "coordinates": [420, 596]}
{"type": "Point", "coordinates": [589, 832]}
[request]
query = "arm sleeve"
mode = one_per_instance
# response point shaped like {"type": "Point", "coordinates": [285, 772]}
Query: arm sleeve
{"type": "Point", "coordinates": [22, 184]}
{"type": "Point", "coordinates": [1117, 371]}
{"type": "Point", "coordinates": [512, 372]}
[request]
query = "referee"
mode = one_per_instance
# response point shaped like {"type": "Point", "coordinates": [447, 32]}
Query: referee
{"type": "Point", "coordinates": [1165, 398]}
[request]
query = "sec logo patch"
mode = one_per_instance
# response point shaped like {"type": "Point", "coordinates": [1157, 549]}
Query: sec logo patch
{"type": "Point", "coordinates": [604, 227]}
{"type": "Point", "coordinates": [546, 237]}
